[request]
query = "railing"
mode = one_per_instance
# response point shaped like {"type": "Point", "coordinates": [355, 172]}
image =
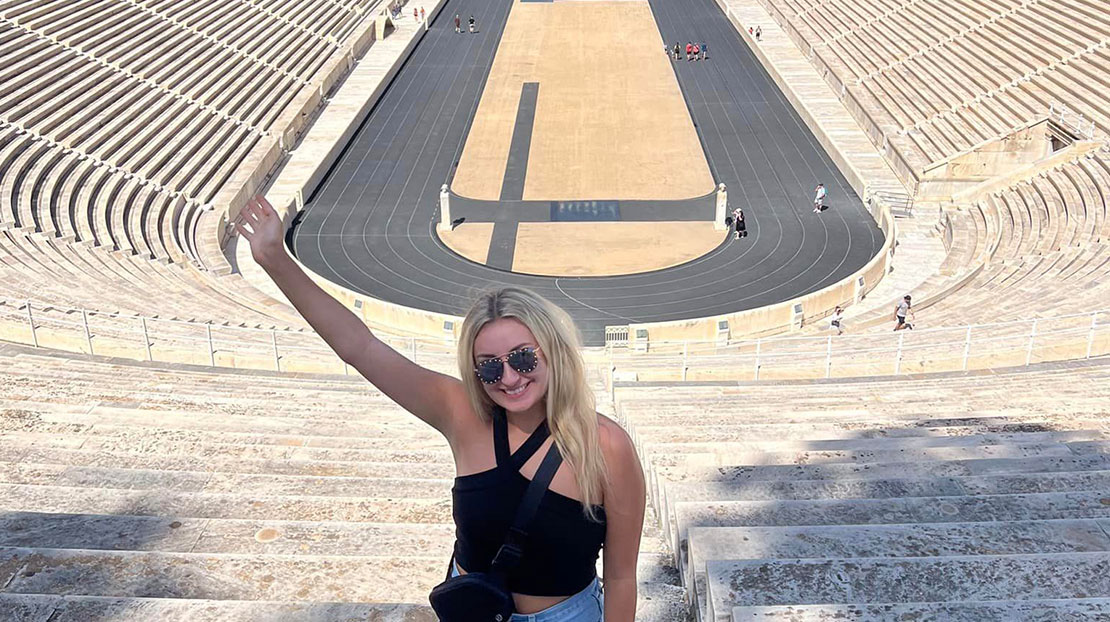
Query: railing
{"type": "Point", "coordinates": [979, 346]}
{"type": "Point", "coordinates": [1072, 120]}
{"type": "Point", "coordinates": [199, 343]}
{"type": "Point", "coordinates": [958, 348]}
{"type": "Point", "coordinates": [901, 204]}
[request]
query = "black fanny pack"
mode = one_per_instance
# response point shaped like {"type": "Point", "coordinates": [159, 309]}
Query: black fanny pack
{"type": "Point", "coordinates": [485, 596]}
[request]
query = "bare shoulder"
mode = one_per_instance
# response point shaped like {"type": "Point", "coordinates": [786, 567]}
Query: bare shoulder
{"type": "Point", "coordinates": [616, 444]}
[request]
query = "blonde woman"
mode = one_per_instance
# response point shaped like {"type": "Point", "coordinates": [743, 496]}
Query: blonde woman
{"type": "Point", "coordinates": [523, 381]}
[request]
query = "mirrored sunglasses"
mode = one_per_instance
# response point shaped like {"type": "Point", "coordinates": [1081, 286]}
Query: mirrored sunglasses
{"type": "Point", "coordinates": [523, 360]}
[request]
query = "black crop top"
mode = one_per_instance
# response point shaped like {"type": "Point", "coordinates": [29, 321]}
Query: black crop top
{"type": "Point", "coordinates": [560, 555]}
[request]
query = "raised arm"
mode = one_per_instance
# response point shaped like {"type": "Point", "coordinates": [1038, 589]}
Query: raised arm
{"type": "Point", "coordinates": [437, 399]}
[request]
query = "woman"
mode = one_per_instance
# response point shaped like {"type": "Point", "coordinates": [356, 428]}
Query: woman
{"type": "Point", "coordinates": [523, 377]}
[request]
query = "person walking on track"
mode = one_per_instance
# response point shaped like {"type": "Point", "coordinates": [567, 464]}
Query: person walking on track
{"type": "Point", "coordinates": [458, 24]}
{"type": "Point", "coordinates": [819, 198]}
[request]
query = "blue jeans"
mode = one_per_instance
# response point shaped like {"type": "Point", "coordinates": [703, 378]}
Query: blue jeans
{"type": "Point", "coordinates": [585, 606]}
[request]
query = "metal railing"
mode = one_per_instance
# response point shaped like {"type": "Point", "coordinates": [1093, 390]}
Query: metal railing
{"type": "Point", "coordinates": [957, 348]}
{"type": "Point", "coordinates": [1072, 120]}
{"type": "Point", "coordinates": [200, 343]}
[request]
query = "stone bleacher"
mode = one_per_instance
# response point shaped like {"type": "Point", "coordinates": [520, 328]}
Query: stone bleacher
{"type": "Point", "coordinates": [122, 124]}
{"type": "Point", "coordinates": [953, 497]}
{"type": "Point", "coordinates": [941, 77]}
{"type": "Point", "coordinates": [134, 492]}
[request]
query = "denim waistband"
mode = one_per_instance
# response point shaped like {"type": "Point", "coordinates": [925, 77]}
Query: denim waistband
{"type": "Point", "coordinates": [587, 605]}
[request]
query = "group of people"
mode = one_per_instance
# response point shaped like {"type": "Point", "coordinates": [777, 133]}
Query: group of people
{"type": "Point", "coordinates": [903, 316]}
{"type": "Point", "coordinates": [471, 24]}
{"type": "Point", "coordinates": [694, 51]}
{"type": "Point", "coordinates": [756, 32]}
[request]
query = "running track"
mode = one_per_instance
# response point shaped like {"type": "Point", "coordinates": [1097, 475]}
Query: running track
{"type": "Point", "coordinates": [370, 225]}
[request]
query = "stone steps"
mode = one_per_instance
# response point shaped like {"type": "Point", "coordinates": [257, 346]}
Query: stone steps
{"type": "Point", "coordinates": [180, 534]}
{"type": "Point", "coordinates": [79, 500]}
{"type": "Point", "coordinates": [269, 577]}
{"type": "Point", "coordinates": [902, 580]}
{"type": "Point", "coordinates": [1075, 438]}
{"type": "Point", "coordinates": [218, 482]}
{"type": "Point", "coordinates": [218, 422]}
{"type": "Point", "coordinates": [124, 441]}
{"type": "Point", "coordinates": [856, 511]}
{"type": "Point", "coordinates": [802, 432]}
{"type": "Point", "coordinates": [105, 434]}
{"type": "Point", "coordinates": [421, 465]}
{"type": "Point", "coordinates": [1076, 610]}
{"type": "Point", "coordinates": [50, 608]}
{"type": "Point", "coordinates": [139, 574]}
{"type": "Point", "coordinates": [907, 540]}
{"type": "Point", "coordinates": [696, 463]}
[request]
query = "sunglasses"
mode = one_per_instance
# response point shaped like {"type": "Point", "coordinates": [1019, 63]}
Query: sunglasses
{"type": "Point", "coordinates": [523, 361]}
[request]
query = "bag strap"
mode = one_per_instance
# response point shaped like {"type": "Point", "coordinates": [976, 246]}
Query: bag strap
{"type": "Point", "coordinates": [511, 552]}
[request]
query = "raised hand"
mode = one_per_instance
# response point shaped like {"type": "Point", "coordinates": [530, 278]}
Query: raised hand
{"type": "Point", "coordinates": [265, 232]}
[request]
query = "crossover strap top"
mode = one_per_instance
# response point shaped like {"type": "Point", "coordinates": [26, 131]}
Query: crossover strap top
{"type": "Point", "coordinates": [526, 450]}
{"type": "Point", "coordinates": [561, 550]}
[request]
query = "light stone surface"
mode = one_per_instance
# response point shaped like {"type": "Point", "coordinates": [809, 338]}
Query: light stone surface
{"type": "Point", "coordinates": [987, 577]}
{"type": "Point", "coordinates": [1075, 610]}
{"type": "Point", "coordinates": [41, 608]}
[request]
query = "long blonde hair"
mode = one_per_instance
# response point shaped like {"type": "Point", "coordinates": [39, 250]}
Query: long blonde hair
{"type": "Point", "coordinates": [569, 402]}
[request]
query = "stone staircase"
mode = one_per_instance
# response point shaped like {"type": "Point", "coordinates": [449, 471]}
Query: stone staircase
{"type": "Point", "coordinates": [956, 497]}
{"type": "Point", "coordinates": [136, 492]}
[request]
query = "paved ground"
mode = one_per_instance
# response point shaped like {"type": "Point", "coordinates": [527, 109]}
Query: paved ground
{"type": "Point", "coordinates": [370, 225]}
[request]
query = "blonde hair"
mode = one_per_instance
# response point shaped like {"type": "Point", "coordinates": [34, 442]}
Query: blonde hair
{"type": "Point", "coordinates": [569, 402]}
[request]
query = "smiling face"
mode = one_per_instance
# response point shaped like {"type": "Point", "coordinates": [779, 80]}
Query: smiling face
{"type": "Point", "coordinates": [515, 392]}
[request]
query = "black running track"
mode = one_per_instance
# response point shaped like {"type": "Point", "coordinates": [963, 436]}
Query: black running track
{"type": "Point", "coordinates": [370, 225]}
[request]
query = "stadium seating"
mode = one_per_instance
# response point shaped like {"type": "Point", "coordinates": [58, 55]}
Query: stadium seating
{"type": "Point", "coordinates": [226, 495]}
{"type": "Point", "coordinates": [942, 77]}
{"type": "Point", "coordinates": [856, 500]}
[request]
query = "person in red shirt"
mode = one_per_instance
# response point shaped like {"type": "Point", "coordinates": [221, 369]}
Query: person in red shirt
{"type": "Point", "coordinates": [689, 50]}
{"type": "Point", "coordinates": [697, 51]}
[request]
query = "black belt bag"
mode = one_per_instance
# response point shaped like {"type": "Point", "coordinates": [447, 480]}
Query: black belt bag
{"type": "Point", "coordinates": [485, 596]}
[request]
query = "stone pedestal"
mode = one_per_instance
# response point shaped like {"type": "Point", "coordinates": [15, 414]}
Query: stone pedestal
{"type": "Point", "coordinates": [722, 207]}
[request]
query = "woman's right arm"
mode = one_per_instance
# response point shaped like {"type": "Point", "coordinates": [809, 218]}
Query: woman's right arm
{"type": "Point", "coordinates": [436, 398]}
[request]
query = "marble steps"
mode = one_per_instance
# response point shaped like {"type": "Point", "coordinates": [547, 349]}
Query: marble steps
{"type": "Point", "coordinates": [220, 576]}
{"type": "Point", "coordinates": [696, 495]}
{"type": "Point", "coordinates": [425, 465]}
{"type": "Point", "coordinates": [240, 505]}
{"type": "Point", "coordinates": [226, 483]}
{"type": "Point", "coordinates": [51, 608]}
{"type": "Point", "coordinates": [912, 540]}
{"type": "Point", "coordinates": [894, 580]}
{"type": "Point", "coordinates": [1081, 504]}
{"type": "Point", "coordinates": [720, 459]}
{"type": "Point", "coordinates": [219, 422]}
{"type": "Point", "coordinates": [177, 534]}
{"type": "Point", "coordinates": [816, 447]}
{"type": "Point", "coordinates": [181, 534]}
{"type": "Point", "coordinates": [324, 405]}
{"type": "Point", "coordinates": [825, 431]}
{"type": "Point", "coordinates": [917, 469]}
{"type": "Point", "coordinates": [218, 447]}
{"type": "Point", "coordinates": [269, 577]}
{"type": "Point", "coordinates": [108, 433]}
{"type": "Point", "coordinates": [937, 415]}
{"type": "Point", "coordinates": [1038, 610]}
